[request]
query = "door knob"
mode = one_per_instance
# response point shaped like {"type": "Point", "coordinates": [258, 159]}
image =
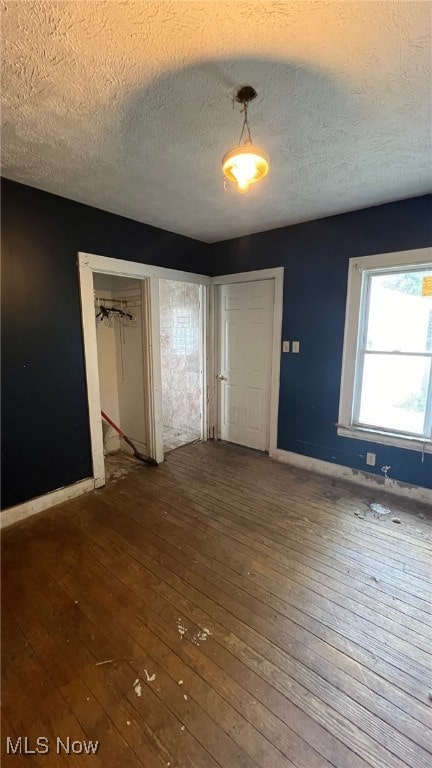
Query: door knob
{"type": "Point", "coordinates": [221, 377]}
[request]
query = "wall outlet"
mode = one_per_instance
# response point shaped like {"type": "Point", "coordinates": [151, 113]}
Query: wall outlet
{"type": "Point", "coordinates": [296, 346]}
{"type": "Point", "coordinates": [285, 346]}
{"type": "Point", "coordinates": [370, 459]}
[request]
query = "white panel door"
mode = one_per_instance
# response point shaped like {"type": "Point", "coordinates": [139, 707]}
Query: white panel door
{"type": "Point", "coordinates": [244, 376]}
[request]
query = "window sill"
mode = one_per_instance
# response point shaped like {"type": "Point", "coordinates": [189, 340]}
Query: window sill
{"type": "Point", "coordinates": [386, 438]}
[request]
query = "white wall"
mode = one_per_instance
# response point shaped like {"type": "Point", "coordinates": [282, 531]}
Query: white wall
{"type": "Point", "coordinates": [120, 365]}
{"type": "Point", "coordinates": [130, 370]}
{"type": "Point", "coordinates": [108, 384]}
{"type": "Point", "coordinates": [180, 355]}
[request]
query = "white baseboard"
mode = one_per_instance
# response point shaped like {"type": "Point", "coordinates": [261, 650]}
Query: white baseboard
{"type": "Point", "coordinates": [366, 479]}
{"type": "Point", "coordinates": [29, 508]}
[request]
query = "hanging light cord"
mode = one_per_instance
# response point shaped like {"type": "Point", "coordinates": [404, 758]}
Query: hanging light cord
{"type": "Point", "coordinates": [245, 124]}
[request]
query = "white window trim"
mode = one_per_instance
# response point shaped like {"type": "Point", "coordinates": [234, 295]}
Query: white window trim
{"type": "Point", "coordinates": [345, 427]}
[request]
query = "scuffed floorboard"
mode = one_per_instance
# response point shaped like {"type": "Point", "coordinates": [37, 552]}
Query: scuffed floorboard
{"type": "Point", "coordinates": [221, 610]}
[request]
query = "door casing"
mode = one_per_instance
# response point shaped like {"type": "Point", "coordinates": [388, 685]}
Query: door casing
{"type": "Point", "coordinates": [150, 276]}
{"type": "Point", "coordinates": [277, 275]}
{"type": "Point", "coordinates": [243, 382]}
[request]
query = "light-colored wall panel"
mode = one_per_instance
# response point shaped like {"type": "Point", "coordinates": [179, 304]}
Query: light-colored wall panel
{"type": "Point", "coordinates": [108, 383]}
{"type": "Point", "coordinates": [180, 354]}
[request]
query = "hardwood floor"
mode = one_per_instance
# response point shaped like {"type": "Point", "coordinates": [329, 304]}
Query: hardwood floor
{"type": "Point", "coordinates": [220, 610]}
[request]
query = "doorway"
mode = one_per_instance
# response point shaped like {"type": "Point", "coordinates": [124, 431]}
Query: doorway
{"type": "Point", "coordinates": [245, 351]}
{"type": "Point", "coordinates": [181, 362]}
{"type": "Point", "coordinates": [247, 340]}
{"type": "Point", "coordinates": [148, 277]}
{"type": "Point", "coordinates": [120, 335]}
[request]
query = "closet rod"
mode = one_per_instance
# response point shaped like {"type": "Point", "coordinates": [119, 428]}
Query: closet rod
{"type": "Point", "coordinates": [111, 301]}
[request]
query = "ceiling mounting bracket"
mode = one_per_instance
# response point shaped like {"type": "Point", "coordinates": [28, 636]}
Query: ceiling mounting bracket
{"type": "Point", "coordinates": [245, 94]}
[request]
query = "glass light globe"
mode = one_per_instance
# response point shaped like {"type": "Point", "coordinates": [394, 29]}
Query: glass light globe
{"type": "Point", "coordinates": [245, 165]}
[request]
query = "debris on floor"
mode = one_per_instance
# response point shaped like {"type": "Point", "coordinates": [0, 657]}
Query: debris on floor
{"type": "Point", "coordinates": [118, 474]}
{"type": "Point", "coordinates": [395, 520]}
{"type": "Point", "coordinates": [180, 682]}
{"type": "Point", "coordinates": [194, 638]}
{"type": "Point", "coordinates": [379, 510]}
{"type": "Point", "coordinates": [359, 515]}
{"type": "Point", "coordinates": [137, 687]}
{"type": "Point", "coordinates": [150, 678]}
{"type": "Point", "coordinates": [107, 661]}
{"type": "Point", "coordinates": [181, 628]}
{"type": "Point", "coordinates": [119, 465]}
{"type": "Point", "coordinates": [177, 438]}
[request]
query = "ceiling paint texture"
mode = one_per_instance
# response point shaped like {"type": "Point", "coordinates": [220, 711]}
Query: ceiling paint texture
{"type": "Point", "coordinates": [127, 106]}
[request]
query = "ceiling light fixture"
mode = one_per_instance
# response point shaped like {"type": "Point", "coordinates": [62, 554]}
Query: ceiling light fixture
{"type": "Point", "coordinates": [246, 163]}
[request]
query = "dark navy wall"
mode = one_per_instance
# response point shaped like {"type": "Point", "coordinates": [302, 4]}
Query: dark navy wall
{"type": "Point", "coordinates": [315, 256]}
{"type": "Point", "coordinates": [45, 437]}
{"type": "Point", "coordinates": [45, 433]}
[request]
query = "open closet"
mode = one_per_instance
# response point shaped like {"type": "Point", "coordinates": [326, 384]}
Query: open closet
{"type": "Point", "coordinates": [120, 316]}
{"type": "Point", "coordinates": [119, 333]}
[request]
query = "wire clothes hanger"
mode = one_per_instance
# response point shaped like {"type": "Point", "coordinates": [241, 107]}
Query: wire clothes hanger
{"type": "Point", "coordinates": [106, 314]}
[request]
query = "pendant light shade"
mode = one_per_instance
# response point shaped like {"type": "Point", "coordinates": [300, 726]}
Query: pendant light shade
{"type": "Point", "coordinates": [245, 164]}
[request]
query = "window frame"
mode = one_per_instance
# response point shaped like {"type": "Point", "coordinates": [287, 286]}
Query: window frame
{"type": "Point", "coordinates": [355, 326]}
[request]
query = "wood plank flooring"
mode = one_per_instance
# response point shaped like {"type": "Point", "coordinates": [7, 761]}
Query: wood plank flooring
{"type": "Point", "coordinates": [220, 611]}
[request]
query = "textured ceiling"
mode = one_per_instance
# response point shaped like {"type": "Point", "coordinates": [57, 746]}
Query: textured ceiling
{"type": "Point", "coordinates": [126, 106]}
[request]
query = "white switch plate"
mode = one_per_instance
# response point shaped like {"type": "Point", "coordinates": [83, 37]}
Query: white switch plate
{"type": "Point", "coordinates": [370, 459]}
{"type": "Point", "coordinates": [285, 346]}
{"type": "Point", "coordinates": [296, 346]}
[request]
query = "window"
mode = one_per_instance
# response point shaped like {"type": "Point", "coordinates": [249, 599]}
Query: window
{"type": "Point", "coordinates": [386, 389]}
